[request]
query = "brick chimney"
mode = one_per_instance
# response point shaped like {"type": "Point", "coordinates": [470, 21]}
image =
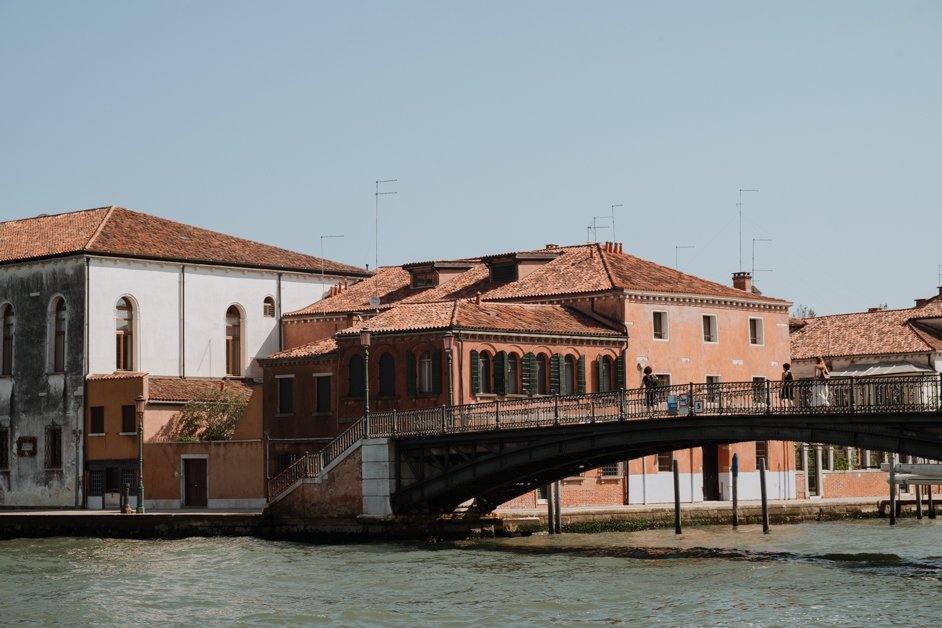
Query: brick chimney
{"type": "Point", "coordinates": [742, 281]}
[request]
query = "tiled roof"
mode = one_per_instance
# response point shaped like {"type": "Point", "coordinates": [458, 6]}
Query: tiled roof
{"type": "Point", "coordinates": [484, 316]}
{"type": "Point", "coordinates": [183, 390]}
{"type": "Point", "coordinates": [123, 232]}
{"type": "Point", "coordinates": [390, 284]}
{"type": "Point", "coordinates": [117, 375]}
{"type": "Point", "coordinates": [312, 349]}
{"type": "Point", "coordinates": [868, 333]}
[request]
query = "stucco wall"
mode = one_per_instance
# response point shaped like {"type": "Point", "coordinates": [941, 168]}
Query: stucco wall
{"type": "Point", "coordinates": [234, 472]}
{"type": "Point", "coordinates": [35, 397]}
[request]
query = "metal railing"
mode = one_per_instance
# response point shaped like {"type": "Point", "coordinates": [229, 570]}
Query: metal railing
{"type": "Point", "coordinates": [871, 395]}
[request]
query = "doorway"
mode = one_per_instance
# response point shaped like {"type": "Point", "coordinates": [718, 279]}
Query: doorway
{"type": "Point", "coordinates": [194, 483]}
{"type": "Point", "coordinates": [711, 473]}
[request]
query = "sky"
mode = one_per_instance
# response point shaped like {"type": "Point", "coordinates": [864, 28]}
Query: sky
{"type": "Point", "coordinates": [507, 125]}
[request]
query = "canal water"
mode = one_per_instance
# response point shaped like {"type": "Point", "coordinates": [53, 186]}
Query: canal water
{"type": "Point", "coordinates": [861, 573]}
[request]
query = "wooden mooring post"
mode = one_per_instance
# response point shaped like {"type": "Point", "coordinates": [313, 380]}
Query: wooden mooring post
{"type": "Point", "coordinates": [550, 503]}
{"type": "Point", "coordinates": [558, 495]}
{"type": "Point", "coordinates": [918, 501]}
{"type": "Point", "coordinates": [892, 490]}
{"type": "Point", "coordinates": [677, 529]}
{"type": "Point", "coordinates": [735, 490]}
{"type": "Point", "coordinates": [765, 500]}
{"type": "Point", "coordinates": [930, 506]}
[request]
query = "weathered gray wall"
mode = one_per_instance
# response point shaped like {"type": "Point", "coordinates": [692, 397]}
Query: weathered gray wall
{"type": "Point", "coordinates": [33, 398]}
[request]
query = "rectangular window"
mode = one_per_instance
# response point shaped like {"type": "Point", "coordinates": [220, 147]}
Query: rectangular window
{"type": "Point", "coordinates": [4, 449]}
{"type": "Point", "coordinates": [610, 470]}
{"type": "Point", "coordinates": [128, 422]}
{"type": "Point", "coordinates": [129, 479]}
{"type": "Point", "coordinates": [756, 333]}
{"type": "Point", "coordinates": [660, 325]}
{"type": "Point", "coordinates": [321, 394]}
{"type": "Point", "coordinates": [712, 388]}
{"type": "Point", "coordinates": [762, 453]}
{"type": "Point", "coordinates": [53, 447]}
{"type": "Point", "coordinates": [96, 482]}
{"type": "Point", "coordinates": [709, 328]}
{"type": "Point", "coordinates": [97, 420]}
{"type": "Point", "coordinates": [665, 461]}
{"type": "Point", "coordinates": [285, 394]}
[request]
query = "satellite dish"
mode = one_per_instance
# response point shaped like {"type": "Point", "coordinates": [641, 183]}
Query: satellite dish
{"type": "Point", "coordinates": [374, 301]}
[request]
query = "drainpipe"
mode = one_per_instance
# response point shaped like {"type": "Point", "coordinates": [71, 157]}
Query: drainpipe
{"type": "Point", "coordinates": [182, 306]}
{"type": "Point", "coordinates": [281, 333]}
{"type": "Point", "coordinates": [82, 446]}
{"type": "Point", "coordinates": [460, 340]}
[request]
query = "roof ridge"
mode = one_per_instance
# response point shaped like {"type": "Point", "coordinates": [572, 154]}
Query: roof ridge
{"type": "Point", "coordinates": [101, 226]}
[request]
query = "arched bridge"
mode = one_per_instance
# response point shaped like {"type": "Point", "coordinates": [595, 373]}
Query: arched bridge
{"type": "Point", "coordinates": [497, 450]}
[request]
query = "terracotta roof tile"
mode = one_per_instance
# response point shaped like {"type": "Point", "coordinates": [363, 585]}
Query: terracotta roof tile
{"type": "Point", "coordinates": [123, 232]}
{"type": "Point", "coordinates": [312, 349]}
{"type": "Point", "coordinates": [867, 333]}
{"type": "Point", "coordinates": [183, 390]}
{"type": "Point", "coordinates": [118, 375]}
{"type": "Point", "coordinates": [390, 284]}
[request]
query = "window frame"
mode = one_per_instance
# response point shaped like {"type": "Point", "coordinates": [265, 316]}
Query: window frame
{"type": "Point", "coordinates": [125, 354]}
{"type": "Point", "coordinates": [268, 307]}
{"type": "Point", "coordinates": [711, 329]}
{"type": "Point", "coordinates": [764, 455]}
{"type": "Point", "coordinates": [356, 376]}
{"type": "Point", "coordinates": [281, 397]}
{"type": "Point", "coordinates": [53, 448]}
{"type": "Point", "coordinates": [386, 367]}
{"type": "Point", "coordinates": [8, 324]}
{"type": "Point", "coordinates": [128, 414]}
{"type": "Point", "coordinates": [318, 378]}
{"type": "Point", "coordinates": [424, 373]}
{"type": "Point", "coordinates": [96, 414]}
{"type": "Point", "coordinates": [665, 461]}
{"type": "Point", "coordinates": [486, 372]}
{"type": "Point", "coordinates": [567, 376]}
{"type": "Point", "coordinates": [57, 335]}
{"type": "Point", "coordinates": [542, 374]}
{"type": "Point", "coordinates": [606, 371]}
{"type": "Point", "coordinates": [664, 333]}
{"type": "Point", "coordinates": [512, 381]}
{"type": "Point", "coordinates": [234, 343]}
{"type": "Point", "coordinates": [712, 388]}
{"type": "Point", "coordinates": [757, 339]}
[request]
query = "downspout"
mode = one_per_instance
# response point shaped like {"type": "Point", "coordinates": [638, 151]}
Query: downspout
{"type": "Point", "coordinates": [182, 306]}
{"type": "Point", "coordinates": [81, 445]}
{"type": "Point", "coordinates": [460, 400]}
{"type": "Point", "coordinates": [281, 333]}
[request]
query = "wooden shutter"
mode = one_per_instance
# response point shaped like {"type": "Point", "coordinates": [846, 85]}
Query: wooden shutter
{"type": "Point", "coordinates": [475, 373]}
{"type": "Point", "coordinates": [580, 375]}
{"type": "Point", "coordinates": [556, 367]}
{"type": "Point", "coordinates": [410, 374]}
{"type": "Point", "coordinates": [620, 381]}
{"type": "Point", "coordinates": [437, 371]}
{"type": "Point", "coordinates": [602, 373]}
{"type": "Point", "coordinates": [500, 373]}
{"type": "Point", "coordinates": [528, 374]}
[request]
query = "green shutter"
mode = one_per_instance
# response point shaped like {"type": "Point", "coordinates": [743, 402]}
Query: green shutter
{"type": "Point", "coordinates": [602, 373]}
{"type": "Point", "coordinates": [475, 373]}
{"type": "Point", "coordinates": [500, 373]}
{"type": "Point", "coordinates": [410, 374]}
{"type": "Point", "coordinates": [580, 375]}
{"type": "Point", "coordinates": [437, 371]}
{"type": "Point", "coordinates": [528, 373]}
{"type": "Point", "coordinates": [556, 367]}
{"type": "Point", "coordinates": [620, 371]}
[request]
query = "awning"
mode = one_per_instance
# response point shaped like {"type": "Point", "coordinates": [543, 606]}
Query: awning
{"type": "Point", "coordinates": [883, 368]}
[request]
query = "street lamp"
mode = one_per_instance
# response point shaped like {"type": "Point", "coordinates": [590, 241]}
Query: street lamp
{"type": "Point", "coordinates": [448, 341]}
{"type": "Point", "coordinates": [365, 343]}
{"type": "Point", "coordinates": [139, 404]}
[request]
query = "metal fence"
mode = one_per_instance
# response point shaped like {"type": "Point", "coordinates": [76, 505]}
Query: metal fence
{"type": "Point", "coordinates": [872, 395]}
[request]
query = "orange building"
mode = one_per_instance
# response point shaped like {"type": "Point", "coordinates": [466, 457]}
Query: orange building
{"type": "Point", "coordinates": [558, 320]}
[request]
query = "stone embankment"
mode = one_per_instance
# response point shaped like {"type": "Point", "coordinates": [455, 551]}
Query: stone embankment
{"type": "Point", "coordinates": [181, 524]}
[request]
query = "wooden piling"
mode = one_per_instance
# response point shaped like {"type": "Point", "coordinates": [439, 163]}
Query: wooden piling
{"type": "Point", "coordinates": [558, 494]}
{"type": "Point", "coordinates": [765, 501]}
{"type": "Point", "coordinates": [930, 506]}
{"type": "Point", "coordinates": [676, 498]}
{"type": "Point", "coordinates": [550, 517]}
{"type": "Point", "coordinates": [735, 490]}
{"type": "Point", "coordinates": [892, 490]}
{"type": "Point", "coordinates": [918, 501]}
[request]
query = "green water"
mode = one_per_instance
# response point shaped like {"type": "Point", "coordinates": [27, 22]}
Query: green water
{"type": "Point", "coordinates": [861, 573]}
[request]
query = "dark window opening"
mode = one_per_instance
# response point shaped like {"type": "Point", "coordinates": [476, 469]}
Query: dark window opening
{"type": "Point", "coordinates": [128, 423]}
{"type": "Point", "coordinates": [97, 420]}
{"type": "Point", "coordinates": [54, 447]}
{"type": "Point", "coordinates": [286, 395]}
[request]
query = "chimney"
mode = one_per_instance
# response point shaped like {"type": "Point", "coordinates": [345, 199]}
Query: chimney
{"type": "Point", "coordinates": [870, 310]}
{"type": "Point", "coordinates": [921, 302]}
{"type": "Point", "coordinates": [477, 298]}
{"type": "Point", "coordinates": [619, 247]}
{"type": "Point", "coordinates": [742, 281]}
{"type": "Point", "coordinates": [552, 246]}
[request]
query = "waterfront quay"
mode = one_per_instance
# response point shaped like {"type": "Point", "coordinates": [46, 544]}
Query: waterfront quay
{"type": "Point", "coordinates": [187, 523]}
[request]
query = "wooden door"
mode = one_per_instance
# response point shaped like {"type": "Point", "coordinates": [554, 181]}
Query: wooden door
{"type": "Point", "coordinates": [194, 483]}
{"type": "Point", "coordinates": [711, 473]}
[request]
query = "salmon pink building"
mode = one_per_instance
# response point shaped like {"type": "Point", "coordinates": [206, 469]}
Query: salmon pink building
{"type": "Point", "coordinates": [553, 321]}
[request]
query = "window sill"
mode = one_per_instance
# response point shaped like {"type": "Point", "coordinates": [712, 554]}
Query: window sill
{"type": "Point", "coordinates": [328, 413]}
{"type": "Point", "coordinates": [281, 415]}
{"type": "Point", "coordinates": [98, 434]}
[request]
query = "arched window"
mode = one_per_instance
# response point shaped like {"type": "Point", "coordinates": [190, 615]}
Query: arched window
{"type": "Point", "coordinates": [268, 307]}
{"type": "Point", "coordinates": [233, 341]}
{"type": "Point", "coordinates": [541, 375]}
{"type": "Point", "coordinates": [487, 385]}
{"type": "Point", "coordinates": [6, 360]}
{"type": "Point", "coordinates": [124, 335]}
{"type": "Point", "coordinates": [356, 379]}
{"type": "Point", "coordinates": [606, 374]}
{"type": "Point", "coordinates": [58, 337]}
{"type": "Point", "coordinates": [568, 381]}
{"type": "Point", "coordinates": [387, 375]}
{"type": "Point", "coordinates": [513, 374]}
{"type": "Point", "coordinates": [425, 372]}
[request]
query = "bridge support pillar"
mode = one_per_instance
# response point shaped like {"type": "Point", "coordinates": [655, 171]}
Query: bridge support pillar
{"type": "Point", "coordinates": [378, 476]}
{"type": "Point", "coordinates": [819, 470]}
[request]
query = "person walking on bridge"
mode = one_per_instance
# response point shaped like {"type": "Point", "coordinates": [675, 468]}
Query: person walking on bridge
{"type": "Point", "coordinates": [649, 381]}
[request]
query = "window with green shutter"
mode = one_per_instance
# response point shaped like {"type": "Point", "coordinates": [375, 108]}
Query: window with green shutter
{"type": "Point", "coordinates": [411, 388]}
{"type": "Point", "coordinates": [500, 373]}
{"type": "Point", "coordinates": [475, 373]}
{"type": "Point", "coordinates": [556, 367]}
{"type": "Point", "coordinates": [580, 375]}
{"type": "Point", "coordinates": [437, 372]}
{"type": "Point", "coordinates": [528, 368]}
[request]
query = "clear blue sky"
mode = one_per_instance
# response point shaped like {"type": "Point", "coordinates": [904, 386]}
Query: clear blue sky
{"type": "Point", "coordinates": [508, 125]}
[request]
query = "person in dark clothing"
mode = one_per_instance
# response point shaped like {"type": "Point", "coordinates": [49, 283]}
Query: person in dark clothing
{"type": "Point", "coordinates": [649, 381]}
{"type": "Point", "coordinates": [788, 387]}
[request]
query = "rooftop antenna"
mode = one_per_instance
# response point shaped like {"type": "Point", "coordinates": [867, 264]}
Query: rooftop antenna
{"type": "Point", "coordinates": [595, 227]}
{"type": "Point", "coordinates": [322, 251]}
{"type": "Point", "coordinates": [677, 248]}
{"type": "Point", "coordinates": [754, 269]}
{"type": "Point", "coordinates": [374, 300]}
{"type": "Point", "coordinates": [739, 205]}
{"type": "Point", "coordinates": [940, 275]}
{"type": "Point", "coordinates": [613, 219]}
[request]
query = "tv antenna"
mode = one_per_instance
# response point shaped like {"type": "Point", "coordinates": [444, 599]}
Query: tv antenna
{"type": "Point", "coordinates": [374, 300]}
{"type": "Point", "coordinates": [613, 219]}
{"type": "Point", "coordinates": [322, 251]}
{"type": "Point", "coordinates": [677, 248]}
{"type": "Point", "coordinates": [754, 269]}
{"type": "Point", "coordinates": [739, 205]}
{"type": "Point", "coordinates": [594, 227]}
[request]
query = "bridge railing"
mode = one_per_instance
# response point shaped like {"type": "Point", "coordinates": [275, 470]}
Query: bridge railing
{"type": "Point", "coordinates": [870, 395]}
